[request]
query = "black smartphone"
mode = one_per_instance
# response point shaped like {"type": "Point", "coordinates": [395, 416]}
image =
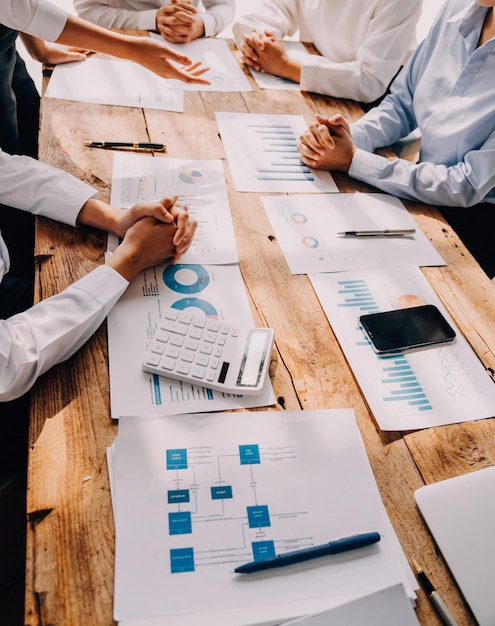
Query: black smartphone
{"type": "Point", "coordinates": [403, 329]}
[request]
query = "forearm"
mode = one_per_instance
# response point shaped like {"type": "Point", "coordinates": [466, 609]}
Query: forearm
{"type": "Point", "coordinates": [53, 330]}
{"type": "Point", "coordinates": [464, 184]}
{"type": "Point", "coordinates": [79, 33]}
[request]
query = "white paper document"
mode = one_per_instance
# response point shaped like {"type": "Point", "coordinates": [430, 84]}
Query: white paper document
{"type": "Point", "coordinates": [224, 72]}
{"type": "Point", "coordinates": [216, 291]}
{"type": "Point", "coordinates": [116, 82]}
{"type": "Point", "coordinates": [386, 607]}
{"type": "Point", "coordinates": [307, 228]}
{"type": "Point", "coordinates": [198, 495]}
{"type": "Point", "coordinates": [263, 157]}
{"type": "Point", "coordinates": [295, 50]}
{"type": "Point", "coordinates": [199, 184]}
{"type": "Point", "coordinates": [413, 389]}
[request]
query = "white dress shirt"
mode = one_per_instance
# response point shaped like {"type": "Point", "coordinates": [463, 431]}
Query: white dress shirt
{"type": "Point", "coordinates": [362, 43]}
{"type": "Point", "coordinates": [447, 91]}
{"type": "Point", "coordinates": [51, 331]}
{"type": "Point", "coordinates": [34, 17]}
{"type": "Point", "coordinates": [141, 14]}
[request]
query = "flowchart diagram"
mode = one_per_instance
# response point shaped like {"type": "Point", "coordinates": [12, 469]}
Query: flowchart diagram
{"type": "Point", "coordinates": [248, 520]}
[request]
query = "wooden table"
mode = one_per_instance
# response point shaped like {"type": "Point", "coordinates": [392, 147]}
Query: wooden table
{"type": "Point", "coordinates": [70, 550]}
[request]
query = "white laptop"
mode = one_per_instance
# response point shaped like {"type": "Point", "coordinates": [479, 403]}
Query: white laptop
{"type": "Point", "coordinates": [460, 513]}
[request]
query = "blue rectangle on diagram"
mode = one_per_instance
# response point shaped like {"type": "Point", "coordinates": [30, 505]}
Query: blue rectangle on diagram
{"type": "Point", "coordinates": [178, 496]}
{"type": "Point", "coordinates": [258, 516]}
{"type": "Point", "coordinates": [249, 454]}
{"type": "Point", "coordinates": [177, 459]}
{"type": "Point", "coordinates": [181, 560]}
{"type": "Point", "coordinates": [263, 550]}
{"type": "Point", "coordinates": [221, 493]}
{"type": "Point", "coordinates": [179, 523]}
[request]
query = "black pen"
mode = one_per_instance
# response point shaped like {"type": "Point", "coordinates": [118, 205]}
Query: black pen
{"type": "Point", "coordinates": [435, 598]}
{"type": "Point", "coordinates": [388, 232]}
{"type": "Point", "coordinates": [158, 147]}
{"type": "Point", "coordinates": [298, 556]}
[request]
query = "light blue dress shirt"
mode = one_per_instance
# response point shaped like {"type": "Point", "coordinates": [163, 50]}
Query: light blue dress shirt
{"type": "Point", "coordinates": [447, 91]}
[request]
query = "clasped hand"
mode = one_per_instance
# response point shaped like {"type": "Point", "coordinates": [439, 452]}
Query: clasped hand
{"type": "Point", "coordinates": [327, 144]}
{"type": "Point", "coordinates": [179, 22]}
{"type": "Point", "coordinates": [264, 51]}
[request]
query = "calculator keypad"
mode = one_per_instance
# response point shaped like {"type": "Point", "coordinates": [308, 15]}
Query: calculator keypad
{"type": "Point", "coordinates": [191, 346]}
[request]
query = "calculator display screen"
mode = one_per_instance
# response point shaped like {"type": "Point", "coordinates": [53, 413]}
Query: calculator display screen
{"type": "Point", "coordinates": [253, 359]}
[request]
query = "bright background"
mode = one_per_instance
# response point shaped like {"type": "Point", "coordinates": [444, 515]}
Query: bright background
{"type": "Point", "coordinates": [430, 9]}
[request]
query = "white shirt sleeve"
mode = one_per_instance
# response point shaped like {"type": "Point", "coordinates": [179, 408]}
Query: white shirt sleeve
{"type": "Point", "coordinates": [101, 12]}
{"type": "Point", "coordinates": [53, 330]}
{"type": "Point", "coordinates": [386, 44]}
{"type": "Point", "coordinates": [218, 14]}
{"type": "Point", "coordinates": [41, 189]}
{"type": "Point", "coordinates": [39, 18]}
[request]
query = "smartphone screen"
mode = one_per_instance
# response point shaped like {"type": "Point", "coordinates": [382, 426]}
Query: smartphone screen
{"type": "Point", "coordinates": [402, 329]}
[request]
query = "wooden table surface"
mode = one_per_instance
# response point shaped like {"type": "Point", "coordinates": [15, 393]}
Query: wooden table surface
{"type": "Point", "coordinates": [70, 550]}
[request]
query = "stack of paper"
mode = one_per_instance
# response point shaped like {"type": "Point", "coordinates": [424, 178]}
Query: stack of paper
{"type": "Point", "coordinates": [197, 495]}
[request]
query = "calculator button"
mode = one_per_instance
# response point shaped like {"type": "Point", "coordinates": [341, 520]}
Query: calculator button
{"type": "Point", "coordinates": [183, 368]}
{"type": "Point", "coordinates": [174, 327]}
{"type": "Point", "coordinates": [217, 352]}
{"type": "Point", "coordinates": [210, 376]}
{"type": "Point", "coordinates": [177, 341]}
{"type": "Point", "coordinates": [202, 360]}
{"type": "Point", "coordinates": [191, 344]}
{"type": "Point", "coordinates": [195, 333]}
{"type": "Point", "coordinates": [158, 347]}
{"type": "Point", "coordinates": [172, 352]}
{"type": "Point", "coordinates": [199, 322]}
{"type": "Point", "coordinates": [198, 372]}
{"type": "Point", "coordinates": [206, 348]}
{"type": "Point", "coordinates": [162, 335]}
{"type": "Point", "coordinates": [168, 364]}
{"type": "Point", "coordinates": [171, 314]}
{"type": "Point", "coordinates": [153, 359]}
{"type": "Point", "coordinates": [187, 355]}
{"type": "Point", "coordinates": [213, 325]}
{"type": "Point", "coordinates": [209, 337]}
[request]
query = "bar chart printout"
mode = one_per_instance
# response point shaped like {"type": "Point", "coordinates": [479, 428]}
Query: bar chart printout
{"type": "Point", "coordinates": [412, 389]}
{"type": "Point", "coordinates": [268, 160]}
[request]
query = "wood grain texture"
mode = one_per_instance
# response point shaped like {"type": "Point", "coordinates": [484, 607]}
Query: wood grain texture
{"type": "Point", "coordinates": [71, 534]}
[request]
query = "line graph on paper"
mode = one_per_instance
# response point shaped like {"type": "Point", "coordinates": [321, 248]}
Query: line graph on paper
{"type": "Point", "coordinates": [411, 389]}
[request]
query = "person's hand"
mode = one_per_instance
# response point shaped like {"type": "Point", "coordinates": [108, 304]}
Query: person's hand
{"type": "Point", "coordinates": [51, 53]}
{"type": "Point", "coordinates": [179, 22]}
{"type": "Point", "coordinates": [159, 58]}
{"type": "Point", "coordinates": [166, 210]}
{"type": "Point", "coordinates": [252, 46]}
{"type": "Point", "coordinates": [148, 242]}
{"type": "Point", "coordinates": [265, 52]}
{"type": "Point", "coordinates": [327, 144]}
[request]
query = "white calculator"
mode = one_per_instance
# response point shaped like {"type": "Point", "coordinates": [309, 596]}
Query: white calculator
{"type": "Point", "coordinates": [210, 352]}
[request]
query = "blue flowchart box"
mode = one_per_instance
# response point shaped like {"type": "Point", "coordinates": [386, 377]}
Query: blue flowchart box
{"type": "Point", "coordinates": [181, 560]}
{"type": "Point", "coordinates": [179, 523]}
{"type": "Point", "coordinates": [258, 516]}
{"type": "Point", "coordinates": [249, 454]}
{"type": "Point", "coordinates": [263, 550]}
{"type": "Point", "coordinates": [177, 459]}
{"type": "Point", "coordinates": [178, 496]}
{"type": "Point", "coordinates": [221, 493]}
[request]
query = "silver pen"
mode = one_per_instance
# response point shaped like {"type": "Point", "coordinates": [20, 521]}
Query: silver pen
{"type": "Point", "coordinates": [378, 233]}
{"type": "Point", "coordinates": [435, 598]}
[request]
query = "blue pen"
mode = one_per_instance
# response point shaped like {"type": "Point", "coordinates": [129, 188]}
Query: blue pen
{"type": "Point", "coordinates": [298, 556]}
